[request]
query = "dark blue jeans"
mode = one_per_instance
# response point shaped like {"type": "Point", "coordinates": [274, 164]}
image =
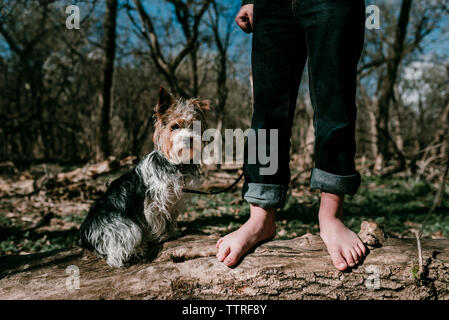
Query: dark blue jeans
{"type": "Point", "coordinates": [330, 34]}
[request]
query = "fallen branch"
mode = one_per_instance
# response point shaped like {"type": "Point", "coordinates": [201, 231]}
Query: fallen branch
{"type": "Point", "coordinates": [187, 268]}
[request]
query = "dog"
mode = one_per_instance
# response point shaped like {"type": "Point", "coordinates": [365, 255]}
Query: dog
{"type": "Point", "coordinates": [140, 207]}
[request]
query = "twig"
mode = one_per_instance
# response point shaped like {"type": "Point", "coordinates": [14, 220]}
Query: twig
{"type": "Point", "coordinates": [439, 195]}
{"type": "Point", "coordinates": [418, 243]}
{"type": "Point", "coordinates": [44, 221]}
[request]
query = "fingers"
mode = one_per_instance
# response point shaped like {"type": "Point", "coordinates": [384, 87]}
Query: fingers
{"type": "Point", "coordinates": [243, 23]}
{"type": "Point", "coordinates": [250, 17]}
{"type": "Point", "coordinates": [244, 18]}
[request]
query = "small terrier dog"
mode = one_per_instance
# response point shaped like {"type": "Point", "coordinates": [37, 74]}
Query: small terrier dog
{"type": "Point", "coordinates": [141, 206]}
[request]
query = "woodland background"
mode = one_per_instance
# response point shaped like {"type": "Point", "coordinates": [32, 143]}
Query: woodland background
{"type": "Point", "coordinates": [76, 111]}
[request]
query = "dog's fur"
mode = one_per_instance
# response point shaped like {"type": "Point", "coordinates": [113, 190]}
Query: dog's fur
{"type": "Point", "coordinates": [141, 206]}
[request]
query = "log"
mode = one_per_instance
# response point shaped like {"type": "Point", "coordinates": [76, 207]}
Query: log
{"type": "Point", "coordinates": [186, 268]}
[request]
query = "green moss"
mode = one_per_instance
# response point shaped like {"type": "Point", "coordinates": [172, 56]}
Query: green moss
{"type": "Point", "coordinates": [414, 271]}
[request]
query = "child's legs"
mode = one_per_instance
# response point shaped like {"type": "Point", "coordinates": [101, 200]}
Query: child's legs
{"type": "Point", "coordinates": [335, 34]}
{"type": "Point", "coordinates": [278, 58]}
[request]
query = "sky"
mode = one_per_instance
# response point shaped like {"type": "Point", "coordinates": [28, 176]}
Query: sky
{"type": "Point", "coordinates": [162, 12]}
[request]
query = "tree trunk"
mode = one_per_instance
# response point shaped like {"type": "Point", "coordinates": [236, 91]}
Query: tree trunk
{"type": "Point", "coordinates": [194, 70]}
{"type": "Point", "coordinates": [444, 131]}
{"type": "Point", "coordinates": [388, 80]}
{"type": "Point", "coordinates": [374, 134]}
{"type": "Point", "coordinates": [397, 131]}
{"type": "Point", "coordinates": [372, 108]}
{"type": "Point", "coordinates": [186, 268]}
{"type": "Point", "coordinates": [105, 100]}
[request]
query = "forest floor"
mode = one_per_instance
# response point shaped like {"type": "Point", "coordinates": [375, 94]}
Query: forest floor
{"type": "Point", "coordinates": [41, 220]}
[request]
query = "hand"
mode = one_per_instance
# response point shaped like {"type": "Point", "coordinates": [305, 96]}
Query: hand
{"type": "Point", "coordinates": [245, 18]}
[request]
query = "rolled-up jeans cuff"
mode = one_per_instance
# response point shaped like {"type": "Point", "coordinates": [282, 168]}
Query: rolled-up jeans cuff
{"type": "Point", "coordinates": [333, 183]}
{"type": "Point", "coordinates": [265, 195]}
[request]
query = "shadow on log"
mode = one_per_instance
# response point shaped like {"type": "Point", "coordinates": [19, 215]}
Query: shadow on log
{"type": "Point", "coordinates": [186, 268]}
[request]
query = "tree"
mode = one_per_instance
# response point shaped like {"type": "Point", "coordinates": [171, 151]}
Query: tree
{"type": "Point", "coordinates": [190, 20]}
{"type": "Point", "coordinates": [386, 84]}
{"type": "Point", "coordinates": [105, 99]}
{"type": "Point", "coordinates": [382, 85]}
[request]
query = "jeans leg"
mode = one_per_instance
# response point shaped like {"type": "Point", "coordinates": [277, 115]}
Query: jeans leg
{"type": "Point", "coordinates": [335, 35]}
{"type": "Point", "coordinates": [278, 58]}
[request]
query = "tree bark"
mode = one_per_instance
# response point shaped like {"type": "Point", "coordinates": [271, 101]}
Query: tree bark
{"type": "Point", "coordinates": [105, 100]}
{"type": "Point", "coordinates": [397, 124]}
{"type": "Point", "coordinates": [186, 268]}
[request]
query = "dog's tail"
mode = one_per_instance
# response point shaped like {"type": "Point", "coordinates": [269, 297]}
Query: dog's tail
{"type": "Point", "coordinates": [111, 236]}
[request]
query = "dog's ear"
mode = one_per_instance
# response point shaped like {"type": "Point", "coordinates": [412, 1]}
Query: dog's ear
{"type": "Point", "coordinates": [165, 100]}
{"type": "Point", "coordinates": [203, 105]}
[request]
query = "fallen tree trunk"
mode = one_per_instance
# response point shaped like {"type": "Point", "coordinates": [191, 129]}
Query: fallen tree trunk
{"type": "Point", "coordinates": [186, 268]}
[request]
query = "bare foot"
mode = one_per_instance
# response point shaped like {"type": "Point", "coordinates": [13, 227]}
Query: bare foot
{"type": "Point", "coordinates": [344, 246]}
{"type": "Point", "coordinates": [259, 227]}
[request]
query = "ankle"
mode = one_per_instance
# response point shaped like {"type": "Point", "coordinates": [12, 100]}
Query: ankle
{"type": "Point", "coordinates": [331, 215]}
{"type": "Point", "coordinates": [262, 216]}
{"type": "Point", "coordinates": [331, 206]}
{"type": "Point", "coordinates": [329, 223]}
{"type": "Point", "coordinates": [260, 213]}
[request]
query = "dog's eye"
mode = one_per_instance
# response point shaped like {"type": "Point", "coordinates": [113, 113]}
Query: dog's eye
{"type": "Point", "coordinates": [175, 126]}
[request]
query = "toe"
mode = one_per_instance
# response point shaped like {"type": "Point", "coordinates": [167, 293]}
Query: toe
{"type": "Point", "coordinates": [362, 248]}
{"type": "Point", "coordinates": [223, 252]}
{"type": "Point", "coordinates": [359, 253]}
{"type": "Point", "coordinates": [348, 257]}
{"type": "Point", "coordinates": [339, 261]}
{"type": "Point", "coordinates": [232, 258]}
{"type": "Point", "coordinates": [355, 255]}
{"type": "Point", "coordinates": [219, 242]}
